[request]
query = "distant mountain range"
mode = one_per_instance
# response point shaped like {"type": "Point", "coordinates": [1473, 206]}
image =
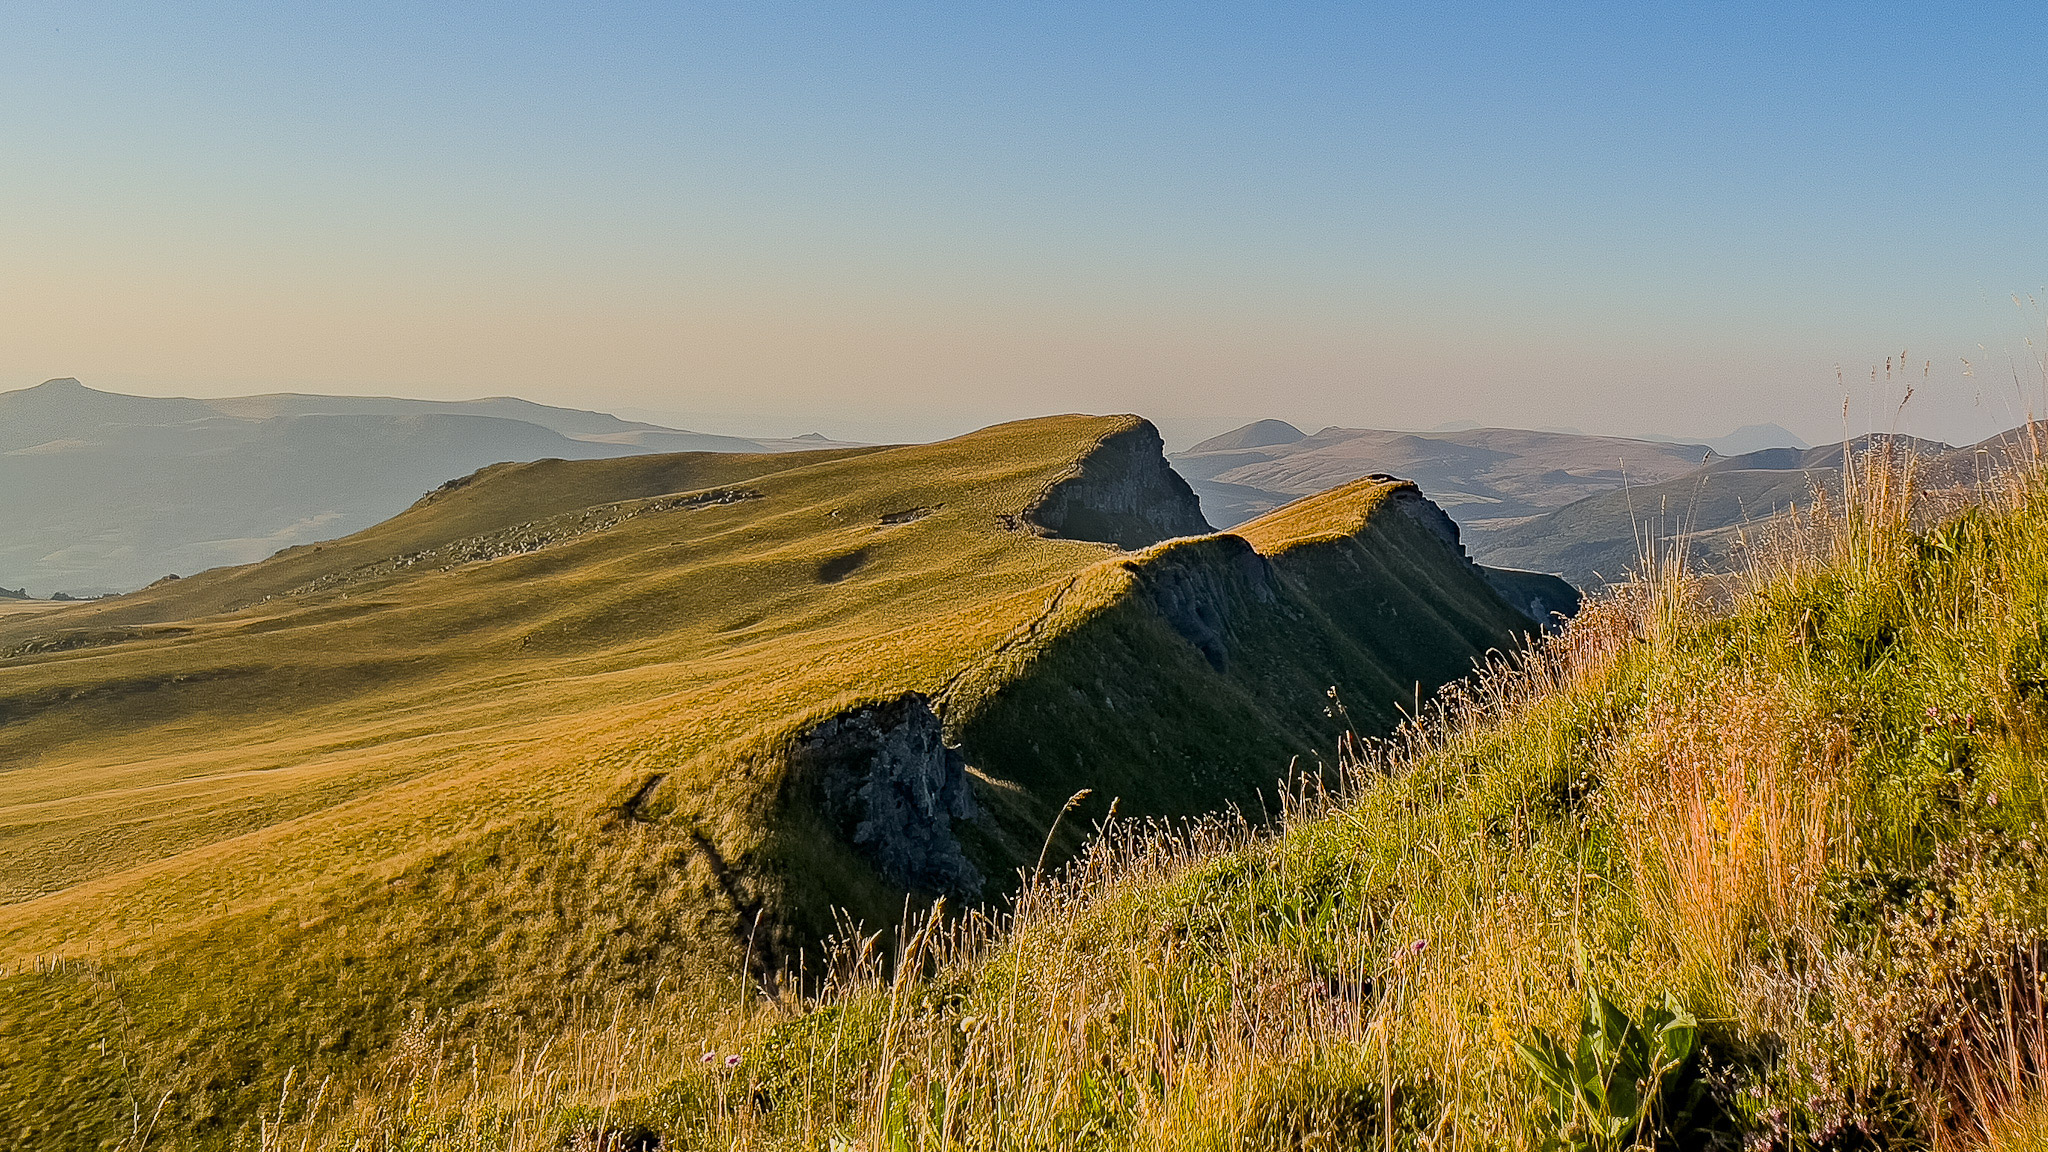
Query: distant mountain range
{"type": "Point", "coordinates": [102, 492]}
{"type": "Point", "coordinates": [1744, 440]}
{"type": "Point", "coordinates": [1477, 475]}
{"type": "Point", "coordinates": [1572, 505]}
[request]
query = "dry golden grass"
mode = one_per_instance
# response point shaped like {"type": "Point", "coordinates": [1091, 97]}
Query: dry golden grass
{"type": "Point", "coordinates": [1753, 806]}
{"type": "Point", "coordinates": [162, 772]}
{"type": "Point", "coordinates": [294, 826]}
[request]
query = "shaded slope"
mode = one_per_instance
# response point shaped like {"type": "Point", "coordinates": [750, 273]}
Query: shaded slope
{"type": "Point", "coordinates": [1191, 673]}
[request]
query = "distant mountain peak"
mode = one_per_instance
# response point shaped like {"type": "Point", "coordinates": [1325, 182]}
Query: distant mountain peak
{"type": "Point", "coordinates": [1751, 437]}
{"type": "Point", "coordinates": [59, 387]}
{"type": "Point", "coordinates": [1741, 442]}
{"type": "Point", "coordinates": [1257, 434]}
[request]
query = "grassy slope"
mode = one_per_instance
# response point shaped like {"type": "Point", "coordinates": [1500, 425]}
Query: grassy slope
{"type": "Point", "coordinates": [1814, 816]}
{"type": "Point", "coordinates": [278, 812]}
{"type": "Point", "coordinates": [650, 642]}
{"type": "Point", "coordinates": [229, 789]}
{"type": "Point", "coordinates": [1328, 593]}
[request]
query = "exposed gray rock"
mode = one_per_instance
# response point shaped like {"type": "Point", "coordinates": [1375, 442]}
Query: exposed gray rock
{"type": "Point", "coordinates": [883, 775]}
{"type": "Point", "coordinates": [1545, 599]}
{"type": "Point", "coordinates": [1123, 493]}
{"type": "Point", "coordinates": [1193, 593]}
{"type": "Point", "coordinates": [1411, 502]}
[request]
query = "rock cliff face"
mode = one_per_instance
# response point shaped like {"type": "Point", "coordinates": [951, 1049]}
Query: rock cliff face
{"type": "Point", "coordinates": [1546, 600]}
{"type": "Point", "coordinates": [1123, 493]}
{"type": "Point", "coordinates": [1194, 590]}
{"type": "Point", "coordinates": [1191, 674]}
{"type": "Point", "coordinates": [882, 774]}
{"type": "Point", "coordinates": [1410, 502]}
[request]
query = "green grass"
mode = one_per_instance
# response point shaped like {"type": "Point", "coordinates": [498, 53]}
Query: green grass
{"type": "Point", "coordinates": [1806, 812]}
{"type": "Point", "coordinates": [288, 823]}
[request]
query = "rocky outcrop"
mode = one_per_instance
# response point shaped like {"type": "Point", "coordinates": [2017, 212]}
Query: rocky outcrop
{"type": "Point", "coordinates": [1123, 493]}
{"type": "Point", "coordinates": [883, 776]}
{"type": "Point", "coordinates": [1194, 586]}
{"type": "Point", "coordinates": [1409, 501]}
{"type": "Point", "coordinates": [1547, 600]}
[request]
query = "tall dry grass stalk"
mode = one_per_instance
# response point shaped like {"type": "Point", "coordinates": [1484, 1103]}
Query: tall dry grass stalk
{"type": "Point", "coordinates": [1994, 1072]}
{"type": "Point", "coordinates": [1730, 829]}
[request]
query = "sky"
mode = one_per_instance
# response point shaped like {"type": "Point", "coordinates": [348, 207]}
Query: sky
{"type": "Point", "coordinates": [886, 221]}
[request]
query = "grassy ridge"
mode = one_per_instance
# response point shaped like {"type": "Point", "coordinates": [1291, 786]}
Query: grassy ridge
{"type": "Point", "coordinates": [1809, 809]}
{"type": "Point", "coordinates": [284, 824]}
{"type": "Point", "coordinates": [1228, 646]}
{"type": "Point", "coordinates": [251, 819]}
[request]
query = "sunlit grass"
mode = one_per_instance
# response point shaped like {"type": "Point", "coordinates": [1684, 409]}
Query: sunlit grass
{"type": "Point", "coordinates": [1809, 806]}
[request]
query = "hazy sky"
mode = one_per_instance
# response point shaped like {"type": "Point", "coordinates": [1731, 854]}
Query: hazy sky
{"type": "Point", "coordinates": [895, 221]}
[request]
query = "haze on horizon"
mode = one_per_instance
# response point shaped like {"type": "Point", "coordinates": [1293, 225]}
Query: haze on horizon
{"type": "Point", "coordinates": [887, 222]}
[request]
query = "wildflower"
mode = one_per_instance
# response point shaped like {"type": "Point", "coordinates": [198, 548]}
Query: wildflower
{"type": "Point", "coordinates": [1418, 946]}
{"type": "Point", "coordinates": [732, 1061]}
{"type": "Point", "coordinates": [710, 1056]}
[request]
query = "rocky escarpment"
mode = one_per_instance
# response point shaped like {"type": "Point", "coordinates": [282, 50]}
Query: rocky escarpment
{"type": "Point", "coordinates": [1123, 493]}
{"type": "Point", "coordinates": [1190, 675]}
{"type": "Point", "coordinates": [1546, 600]}
{"type": "Point", "coordinates": [1193, 588]}
{"type": "Point", "coordinates": [1410, 502]}
{"type": "Point", "coordinates": [883, 776]}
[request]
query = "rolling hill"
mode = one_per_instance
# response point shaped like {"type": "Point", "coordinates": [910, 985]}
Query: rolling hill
{"type": "Point", "coordinates": [1709, 512]}
{"type": "Point", "coordinates": [567, 732]}
{"type": "Point", "coordinates": [1579, 507]}
{"type": "Point", "coordinates": [1477, 475]}
{"type": "Point", "coordinates": [102, 492]}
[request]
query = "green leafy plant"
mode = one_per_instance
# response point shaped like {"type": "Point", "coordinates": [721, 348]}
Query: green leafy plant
{"type": "Point", "coordinates": [1625, 1082]}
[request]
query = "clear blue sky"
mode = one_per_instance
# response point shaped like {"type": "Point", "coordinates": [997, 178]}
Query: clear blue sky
{"type": "Point", "coordinates": [886, 220]}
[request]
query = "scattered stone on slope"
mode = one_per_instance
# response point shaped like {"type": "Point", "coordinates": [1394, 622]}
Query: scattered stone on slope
{"type": "Point", "coordinates": [884, 776]}
{"type": "Point", "coordinates": [1123, 493]}
{"type": "Point", "coordinates": [523, 538]}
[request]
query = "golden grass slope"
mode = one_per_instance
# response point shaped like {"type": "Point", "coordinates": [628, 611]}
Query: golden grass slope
{"type": "Point", "coordinates": [229, 738]}
{"type": "Point", "coordinates": [528, 744]}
